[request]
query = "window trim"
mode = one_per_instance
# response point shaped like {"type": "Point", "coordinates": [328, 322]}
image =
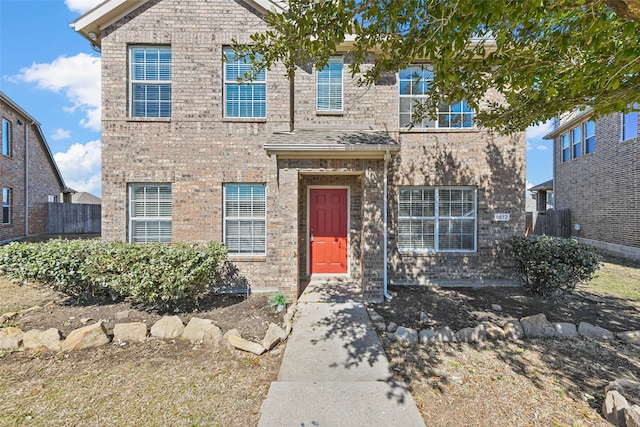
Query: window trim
{"type": "Point", "coordinates": [225, 218]}
{"type": "Point", "coordinates": [6, 205]}
{"type": "Point", "coordinates": [330, 84]}
{"type": "Point", "coordinates": [436, 218]}
{"type": "Point", "coordinates": [587, 138]}
{"type": "Point", "coordinates": [133, 82]}
{"type": "Point", "coordinates": [422, 96]}
{"type": "Point", "coordinates": [565, 147]}
{"type": "Point", "coordinates": [6, 131]}
{"type": "Point", "coordinates": [251, 83]}
{"type": "Point", "coordinates": [131, 219]}
{"type": "Point", "coordinates": [576, 143]}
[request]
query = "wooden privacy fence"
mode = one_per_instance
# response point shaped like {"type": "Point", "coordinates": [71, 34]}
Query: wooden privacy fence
{"type": "Point", "coordinates": [73, 218]}
{"type": "Point", "coordinates": [552, 222]}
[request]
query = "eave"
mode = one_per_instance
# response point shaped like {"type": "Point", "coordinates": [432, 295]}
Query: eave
{"type": "Point", "coordinates": [569, 124]}
{"type": "Point", "coordinates": [330, 151]}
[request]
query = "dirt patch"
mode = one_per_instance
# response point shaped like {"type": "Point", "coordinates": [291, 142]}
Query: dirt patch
{"type": "Point", "coordinates": [538, 382]}
{"type": "Point", "coordinates": [158, 382]}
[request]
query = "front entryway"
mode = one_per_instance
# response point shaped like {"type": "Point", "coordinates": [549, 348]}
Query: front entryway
{"type": "Point", "coordinates": [328, 245]}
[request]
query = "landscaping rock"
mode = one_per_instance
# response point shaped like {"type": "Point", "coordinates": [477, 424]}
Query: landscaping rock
{"type": "Point", "coordinates": [203, 330]}
{"type": "Point", "coordinates": [476, 334]}
{"type": "Point", "coordinates": [7, 316]}
{"type": "Point", "coordinates": [245, 345]}
{"type": "Point", "coordinates": [625, 387]}
{"type": "Point", "coordinates": [287, 318]}
{"type": "Point", "coordinates": [424, 317]}
{"type": "Point", "coordinates": [230, 333]}
{"type": "Point", "coordinates": [10, 338]}
{"type": "Point", "coordinates": [36, 339]}
{"type": "Point", "coordinates": [513, 330]}
{"type": "Point", "coordinates": [613, 408]}
{"type": "Point", "coordinates": [86, 337]}
{"type": "Point", "coordinates": [130, 332]}
{"type": "Point", "coordinates": [496, 307]}
{"type": "Point", "coordinates": [588, 330]}
{"type": "Point", "coordinates": [86, 320]}
{"type": "Point", "coordinates": [407, 334]}
{"type": "Point", "coordinates": [632, 416]}
{"type": "Point", "coordinates": [122, 315]}
{"type": "Point", "coordinates": [168, 327]}
{"type": "Point", "coordinates": [630, 337]}
{"type": "Point", "coordinates": [427, 336]}
{"type": "Point", "coordinates": [537, 326]}
{"type": "Point", "coordinates": [380, 326]}
{"type": "Point", "coordinates": [374, 316]}
{"type": "Point", "coordinates": [493, 332]}
{"type": "Point", "coordinates": [445, 335]}
{"type": "Point", "coordinates": [565, 330]}
{"type": "Point", "coordinates": [274, 335]}
{"type": "Point", "coordinates": [392, 327]}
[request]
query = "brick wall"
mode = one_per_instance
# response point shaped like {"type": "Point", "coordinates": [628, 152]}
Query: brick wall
{"type": "Point", "coordinates": [198, 150]}
{"type": "Point", "coordinates": [602, 189]}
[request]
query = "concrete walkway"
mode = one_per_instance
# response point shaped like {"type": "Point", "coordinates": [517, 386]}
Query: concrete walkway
{"type": "Point", "coordinates": [334, 371]}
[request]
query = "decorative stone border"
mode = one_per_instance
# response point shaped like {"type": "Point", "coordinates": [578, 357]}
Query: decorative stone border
{"type": "Point", "coordinates": [168, 327]}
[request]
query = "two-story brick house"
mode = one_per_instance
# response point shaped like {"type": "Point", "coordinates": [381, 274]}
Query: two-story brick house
{"type": "Point", "coordinates": [597, 177]}
{"type": "Point", "coordinates": [190, 153]}
{"type": "Point", "coordinates": [29, 177]}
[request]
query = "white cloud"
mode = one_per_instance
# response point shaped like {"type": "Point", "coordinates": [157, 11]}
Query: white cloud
{"type": "Point", "coordinates": [81, 6]}
{"type": "Point", "coordinates": [77, 76]}
{"type": "Point", "coordinates": [61, 134]}
{"type": "Point", "coordinates": [542, 147]}
{"type": "Point", "coordinates": [538, 131]}
{"type": "Point", "coordinates": [80, 166]}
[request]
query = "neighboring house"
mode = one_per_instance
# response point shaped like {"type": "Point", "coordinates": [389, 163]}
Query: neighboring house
{"type": "Point", "coordinates": [597, 177]}
{"type": "Point", "coordinates": [192, 154]}
{"type": "Point", "coordinates": [83, 197]}
{"type": "Point", "coordinates": [29, 177]}
{"type": "Point", "coordinates": [543, 195]}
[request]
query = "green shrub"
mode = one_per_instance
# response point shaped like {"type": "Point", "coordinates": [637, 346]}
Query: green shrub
{"type": "Point", "coordinates": [150, 273]}
{"type": "Point", "coordinates": [549, 266]}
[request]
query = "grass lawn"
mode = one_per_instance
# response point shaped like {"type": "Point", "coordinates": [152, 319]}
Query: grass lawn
{"type": "Point", "coordinates": [619, 278]}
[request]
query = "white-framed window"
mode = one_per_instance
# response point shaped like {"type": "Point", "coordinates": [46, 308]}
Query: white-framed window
{"type": "Point", "coordinates": [6, 137]}
{"type": "Point", "coordinates": [6, 206]}
{"type": "Point", "coordinates": [566, 150]}
{"type": "Point", "coordinates": [437, 219]}
{"type": "Point", "coordinates": [245, 220]}
{"type": "Point", "coordinates": [589, 137]}
{"type": "Point", "coordinates": [576, 142]}
{"type": "Point", "coordinates": [414, 84]}
{"type": "Point", "coordinates": [150, 81]}
{"type": "Point", "coordinates": [629, 125]}
{"type": "Point", "coordinates": [329, 86]}
{"type": "Point", "coordinates": [150, 209]}
{"type": "Point", "coordinates": [245, 92]}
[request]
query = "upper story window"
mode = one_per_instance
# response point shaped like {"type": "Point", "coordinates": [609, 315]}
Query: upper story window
{"type": "Point", "coordinates": [245, 221]}
{"type": "Point", "coordinates": [414, 83]}
{"type": "Point", "coordinates": [576, 142]}
{"type": "Point", "coordinates": [329, 86]}
{"type": "Point", "coordinates": [566, 151]}
{"type": "Point", "coordinates": [245, 92]}
{"type": "Point", "coordinates": [589, 137]}
{"type": "Point", "coordinates": [150, 81]}
{"type": "Point", "coordinates": [6, 206]}
{"type": "Point", "coordinates": [150, 209]}
{"type": "Point", "coordinates": [441, 219]}
{"type": "Point", "coordinates": [6, 137]}
{"type": "Point", "coordinates": [629, 125]}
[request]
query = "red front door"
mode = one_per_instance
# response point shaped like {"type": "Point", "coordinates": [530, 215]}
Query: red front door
{"type": "Point", "coordinates": [328, 230]}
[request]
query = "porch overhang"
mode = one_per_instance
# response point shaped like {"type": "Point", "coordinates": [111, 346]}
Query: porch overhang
{"type": "Point", "coordinates": [331, 144]}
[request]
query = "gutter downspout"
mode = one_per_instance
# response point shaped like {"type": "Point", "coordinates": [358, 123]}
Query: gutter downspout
{"type": "Point", "coordinates": [387, 156]}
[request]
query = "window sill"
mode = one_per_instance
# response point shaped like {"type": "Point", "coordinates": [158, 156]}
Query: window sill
{"type": "Point", "coordinates": [245, 119]}
{"type": "Point", "coordinates": [439, 130]}
{"type": "Point", "coordinates": [629, 141]}
{"type": "Point", "coordinates": [149, 119]}
{"type": "Point", "coordinates": [246, 258]}
{"type": "Point", "coordinates": [329, 113]}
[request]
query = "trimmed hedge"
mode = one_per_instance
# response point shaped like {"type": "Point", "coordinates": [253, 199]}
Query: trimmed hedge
{"type": "Point", "coordinates": [549, 266]}
{"type": "Point", "coordinates": [150, 273]}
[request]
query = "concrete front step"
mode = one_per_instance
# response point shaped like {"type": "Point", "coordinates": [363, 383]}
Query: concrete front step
{"type": "Point", "coordinates": [336, 404]}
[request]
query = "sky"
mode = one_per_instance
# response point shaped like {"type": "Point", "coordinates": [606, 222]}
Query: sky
{"type": "Point", "coordinates": [53, 74]}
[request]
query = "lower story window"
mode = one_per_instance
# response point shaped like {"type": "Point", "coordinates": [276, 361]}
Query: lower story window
{"type": "Point", "coordinates": [150, 213]}
{"type": "Point", "coordinates": [441, 219]}
{"type": "Point", "coordinates": [6, 206]}
{"type": "Point", "coordinates": [245, 218]}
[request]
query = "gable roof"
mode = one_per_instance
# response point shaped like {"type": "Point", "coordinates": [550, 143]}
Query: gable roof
{"type": "Point", "coordinates": [91, 24]}
{"type": "Point", "coordinates": [36, 125]}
